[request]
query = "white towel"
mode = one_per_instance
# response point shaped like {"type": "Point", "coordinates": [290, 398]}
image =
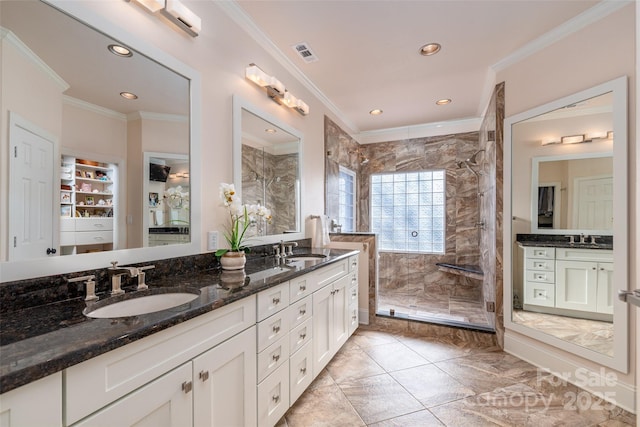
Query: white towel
{"type": "Point", "coordinates": [318, 226]}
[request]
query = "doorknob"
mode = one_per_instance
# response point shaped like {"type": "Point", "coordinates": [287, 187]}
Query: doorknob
{"type": "Point", "coordinates": [51, 251]}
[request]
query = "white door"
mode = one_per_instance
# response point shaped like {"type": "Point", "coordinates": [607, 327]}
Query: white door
{"type": "Point", "coordinates": [225, 383]}
{"type": "Point", "coordinates": [31, 189]}
{"type": "Point", "coordinates": [594, 203]}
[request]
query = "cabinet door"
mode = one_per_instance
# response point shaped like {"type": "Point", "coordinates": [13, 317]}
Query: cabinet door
{"type": "Point", "coordinates": [166, 401]}
{"type": "Point", "coordinates": [605, 288]}
{"type": "Point", "coordinates": [576, 285]}
{"type": "Point", "coordinates": [340, 313]}
{"type": "Point", "coordinates": [322, 325]}
{"type": "Point", "coordinates": [273, 397]}
{"type": "Point", "coordinates": [225, 383]}
{"type": "Point", "coordinates": [36, 404]}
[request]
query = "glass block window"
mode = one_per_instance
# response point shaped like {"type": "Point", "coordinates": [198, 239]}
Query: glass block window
{"type": "Point", "coordinates": [408, 211]}
{"type": "Point", "coordinates": [347, 200]}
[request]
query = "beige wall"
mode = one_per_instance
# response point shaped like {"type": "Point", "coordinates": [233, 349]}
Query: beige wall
{"type": "Point", "coordinates": [596, 54]}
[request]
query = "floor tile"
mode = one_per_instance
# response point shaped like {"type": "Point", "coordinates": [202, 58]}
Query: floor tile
{"type": "Point", "coordinates": [431, 386]}
{"type": "Point", "coordinates": [367, 338]}
{"type": "Point", "coordinates": [395, 356]}
{"type": "Point", "coordinates": [351, 365]}
{"type": "Point", "coordinates": [323, 406]}
{"type": "Point", "coordinates": [379, 398]}
{"type": "Point", "coordinates": [439, 350]}
{"type": "Point", "coordinates": [416, 419]}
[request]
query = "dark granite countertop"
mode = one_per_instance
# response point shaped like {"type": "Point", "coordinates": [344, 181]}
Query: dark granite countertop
{"type": "Point", "coordinates": [39, 341]}
{"type": "Point", "coordinates": [561, 241]}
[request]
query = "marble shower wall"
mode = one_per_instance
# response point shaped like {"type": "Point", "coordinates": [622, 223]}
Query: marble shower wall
{"type": "Point", "coordinates": [260, 168]}
{"type": "Point", "coordinates": [491, 185]}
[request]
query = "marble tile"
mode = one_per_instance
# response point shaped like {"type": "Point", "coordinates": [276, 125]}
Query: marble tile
{"type": "Point", "coordinates": [379, 398]}
{"type": "Point", "coordinates": [395, 356]}
{"type": "Point", "coordinates": [323, 406]}
{"type": "Point", "coordinates": [441, 350]}
{"type": "Point", "coordinates": [322, 380]}
{"type": "Point", "coordinates": [416, 419]}
{"type": "Point", "coordinates": [431, 386]}
{"type": "Point", "coordinates": [353, 364]}
{"type": "Point", "coordinates": [484, 372]}
{"type": "Point", "coordinates": [366, 338]}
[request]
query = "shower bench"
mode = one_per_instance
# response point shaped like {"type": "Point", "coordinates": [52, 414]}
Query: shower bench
{"type": "Point", "coordinates": [471, 271]}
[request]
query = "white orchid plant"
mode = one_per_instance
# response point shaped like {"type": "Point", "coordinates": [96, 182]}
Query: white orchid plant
{"type": "Point", "coordinates": [242, 216]}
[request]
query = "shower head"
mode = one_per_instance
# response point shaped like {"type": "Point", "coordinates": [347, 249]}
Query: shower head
{"type": "Point", "coordinates": [473, 159]}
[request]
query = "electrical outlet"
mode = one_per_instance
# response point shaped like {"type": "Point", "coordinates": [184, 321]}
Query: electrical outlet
{"type": "Point", "coordinates": [212, 240]}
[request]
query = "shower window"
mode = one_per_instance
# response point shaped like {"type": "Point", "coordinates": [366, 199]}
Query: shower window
{"type": "Point", "coordinates": [408, 211]}
{"type": "Point", "coordinates": [347, 198]}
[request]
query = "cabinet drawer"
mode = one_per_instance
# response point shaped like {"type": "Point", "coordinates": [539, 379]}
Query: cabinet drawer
{"type": "Point", "coordinates": [68, 224]}
{"type": "Point", "coordinates": [539, 294]}
{"type": "Point", "coordinates": [94, 237]}
{"type": "Point", "coordinates": [540, 276]}
{"type": "Point", "coordinates": [274, 355]}
{"type": "Point", "coordinates": [300, 311]}
{"type": "Point", "coordinates": [94, 224]}
{"type": "Point", "coordinates": [353, 294]}
{"type": "Point", "coordinates": [329, 274]}
{"type": "Point", "coordinates": [67, 238]}
{"type": "Point", "coordinates": [273, 396]}
{"type": "Point", "coordinates": [539, 253]}
{"type": "Point", "coordinates": [273, 300]}
{"type": "Point", "coordinates": [300, 372]}
{"type": "Point", "coordinates": [300, 336]}
{"type": "Point", "coordinates": [540, 264]}
{"type": "Point", "coordinates": [584, 254]}
{"type": "Point", "coordinates": [272, 329]}
{"type": "Point", "coordinates": [300, 287]}
{"type": "Point", "coordinates": [92, 384]}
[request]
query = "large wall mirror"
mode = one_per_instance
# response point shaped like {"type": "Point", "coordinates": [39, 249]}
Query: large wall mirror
{"type": "Point", "coordinates": [119, 129]}
{"type": "Point", "coordinates": [267, 158]}
{"type": "Point", "coordinates": [566, 174]}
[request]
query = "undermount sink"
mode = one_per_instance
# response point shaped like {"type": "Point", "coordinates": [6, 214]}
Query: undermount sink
{"type": "Point", "coordinates": [305, 257]}
{"type": "Point", "coordinates": [143, 304]}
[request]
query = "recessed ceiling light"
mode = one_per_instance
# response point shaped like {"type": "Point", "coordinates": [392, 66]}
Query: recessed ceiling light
{"type": "Point", "coordinates": [128, 95]}
{"type": "Point", "coordinates": [443, 101]}
{"type": "Point", "coordinates": [375, 112]}
{"type": "Point", "coordinates": [118, 50]}
{"type": "Point", "coordinates": [430, 49]}
{"type": "Point", "coordinates": [270, 130]}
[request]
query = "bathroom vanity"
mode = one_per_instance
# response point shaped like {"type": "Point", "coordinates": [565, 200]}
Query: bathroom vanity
{"type": "Point", "coordinates": [239, 354]}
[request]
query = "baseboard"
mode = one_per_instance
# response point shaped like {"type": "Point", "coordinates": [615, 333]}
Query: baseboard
{"type": "Point", "coordinates": [599, 382]}
{"type": "Point", "coordinates": [363, 316]}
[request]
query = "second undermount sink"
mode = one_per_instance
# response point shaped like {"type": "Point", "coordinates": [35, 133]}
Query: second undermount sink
{"type": "Point", "coordinates": [143, 304]}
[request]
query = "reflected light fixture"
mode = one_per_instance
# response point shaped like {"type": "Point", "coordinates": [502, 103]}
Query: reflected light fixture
{"type": "Point", "coordinates": [572, 139]}
{"type": "Point", "coordinates": [270, 130]}
{"type": "Point", "coordinates": [151, 5]}
{"type": "Point", "coordinates": [376, 112]}
{"type": "Point", "coordinates": [275, 89]}
{"type": "Point", "coordinates": [443, 101]}
{"type": "Point", "coordinates": [430, 49]}
{"type": "Point", "coordinates": [119, 50]}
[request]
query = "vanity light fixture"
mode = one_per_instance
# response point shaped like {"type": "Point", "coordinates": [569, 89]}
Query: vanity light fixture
{"type": "Point", "coordinates": [550, 141]}
{"type": "Point", "coordinates": [151, 5]}
{"type": "Point", "coordinates": [176, 12]}
{"type": "Point", "coordinates": [572, 139]}
{"type": "Point", "coordinates": [128, 95]}
{"type": "Point", "coordinates": [119, 50]}
{"type": "Point", "coordinates": [443, 101]}
{"type": "Point", "coordinates": [275, 89]}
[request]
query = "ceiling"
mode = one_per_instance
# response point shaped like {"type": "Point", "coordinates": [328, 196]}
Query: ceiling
{"type": "Point", "coordinates": [368, 51]}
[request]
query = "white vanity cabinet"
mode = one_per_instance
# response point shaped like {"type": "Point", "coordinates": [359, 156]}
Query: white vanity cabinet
{"type": "Point", "coordinates": [111, 379]}
{"type": "Point", "coordinates": [569, 280]}
{"type": "Point", "coordinates": [35, 404]}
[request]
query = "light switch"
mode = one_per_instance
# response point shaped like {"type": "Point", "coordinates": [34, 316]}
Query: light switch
{"type": "Point", "coordinates": [212, 240]}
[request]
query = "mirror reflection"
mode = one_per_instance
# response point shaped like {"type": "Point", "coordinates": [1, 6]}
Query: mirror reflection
{"type": "Point", "coordinates": [270, 174]}
{"type": "Point", "coordinates": [562, 285]}
{"type": "Point", "coordinates": [95, 113]}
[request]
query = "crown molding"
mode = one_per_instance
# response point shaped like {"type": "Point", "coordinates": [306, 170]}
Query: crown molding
{"type": "Point", "coordinates": [147, 115]}
{"type": "Point", "coordinates": [30, 55]}
{"type": "Point", "coordinates": [87, 106]}
{"type": "Point", "coordinates": [471, 124]}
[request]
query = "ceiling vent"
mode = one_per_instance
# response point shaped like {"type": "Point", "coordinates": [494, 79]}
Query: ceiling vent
{"type": "Point", "coordinates": [305, 52]}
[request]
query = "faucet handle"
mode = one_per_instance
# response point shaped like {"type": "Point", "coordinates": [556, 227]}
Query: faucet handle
{"type": "Point", "coordinates": [277, 249]}
{"type": "Point", "coordinates": [571, 239]}
{"type": "Point", "coordinates": [114, 264]}
{"type": "Point", "coordinates": [90, 284]}
{"type": "Point", "coordinates": [593, 239]}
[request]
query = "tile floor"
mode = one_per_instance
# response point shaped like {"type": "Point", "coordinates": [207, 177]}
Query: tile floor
{"type": "Point", "coordinates": [382, 379]}
{"type": "Point", "coordinates": [452, 309]}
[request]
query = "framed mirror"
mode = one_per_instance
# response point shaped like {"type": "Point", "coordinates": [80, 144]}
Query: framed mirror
{"type": "Point", "coordinates": [98, 138]}
{"type": "Point", "coordinates": [267, 155]}
{"type": "Point", "coordinates": [543, 179]}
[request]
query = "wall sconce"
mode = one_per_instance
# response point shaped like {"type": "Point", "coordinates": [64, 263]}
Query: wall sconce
{"type": "Point", "coordinates": [176, 12]}
{"type": "Point", "coordinates": [578, 139]}
{"type": "Point", "coordinates": [275, 89]}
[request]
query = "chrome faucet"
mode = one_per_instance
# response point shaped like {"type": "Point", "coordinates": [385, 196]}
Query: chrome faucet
{"type": "Point", "coordinates": [582, 238]}
{"type": "Point", "coordinates": [116, 274]}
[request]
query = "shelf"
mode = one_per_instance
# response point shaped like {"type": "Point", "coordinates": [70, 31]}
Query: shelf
{"type": "Point", "coordinates": [94, 206]}
{"type": "Point", "coordinates": [89, 193]}
{"type": "Point", "coordinates": [93, 168]}
{"type": "Point", "coordinates": [101, 181]}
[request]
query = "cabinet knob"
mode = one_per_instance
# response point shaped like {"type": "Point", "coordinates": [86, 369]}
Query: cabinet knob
{"type": "Point", "coordinates": [275, 357]}
{"type": "Point", "coordinates": [204, 375]}
{"type": "Point", "coordinates": [276, 329]}
{"type": "Point", "coordinates": [303, 288]}
{"type": "Point", "coordinates": [303, 336]}
{"type": "Point", "coordinates": [303, 371]}
{"type": "Point", "coordinates": [593, 268]}
{"type": "Point", "coordinates": [276, 398]}
{"type": "Point", "coordinates": [187, 386]}
{"type": "Point", "coordinates": [303, 312]}
{"type": "Point", "coordinates": [276, 300]}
